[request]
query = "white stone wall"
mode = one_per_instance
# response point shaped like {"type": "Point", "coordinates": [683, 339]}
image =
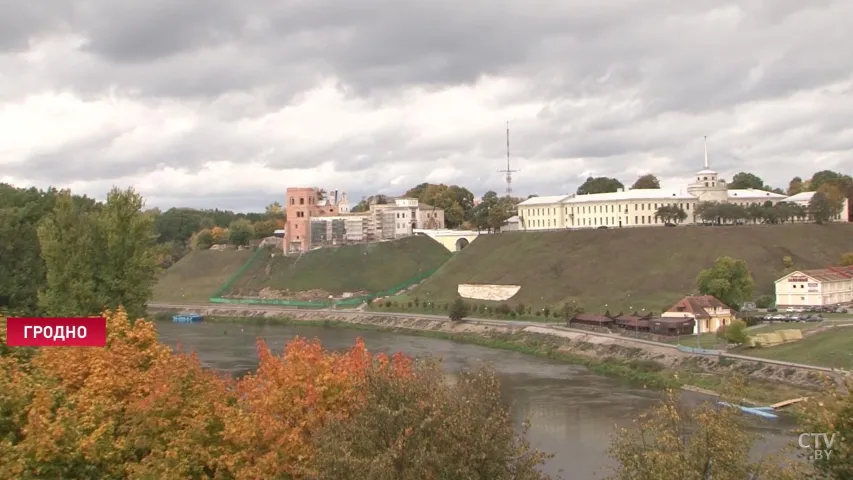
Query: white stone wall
{"type": "Point", "coordinates": [496, 293]}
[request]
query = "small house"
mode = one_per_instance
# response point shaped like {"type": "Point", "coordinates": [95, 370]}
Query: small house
{"type": "Point", "coordinates": [710, 314]}
{"type": "Point", "coordinates": [633, 322]}
{"type": "Point", "coordinates": [672, 326]}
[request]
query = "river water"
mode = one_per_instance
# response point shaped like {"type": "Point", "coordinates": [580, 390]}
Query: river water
{"type": "Point", "coordinates": [572, 410]}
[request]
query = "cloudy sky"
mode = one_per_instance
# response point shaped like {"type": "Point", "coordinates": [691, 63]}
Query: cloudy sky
{"type": "Point", "coordinates": [226, 103]}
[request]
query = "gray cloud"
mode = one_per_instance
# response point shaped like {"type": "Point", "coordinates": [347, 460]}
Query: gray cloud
{"type": "Point", "coordinates": [623, 83]}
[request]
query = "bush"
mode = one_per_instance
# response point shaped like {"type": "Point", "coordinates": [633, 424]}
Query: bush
{"type": "Point", "coordinates": [503, 309]}
{"type": "Point", "coordinates": [417, 301]}
{"type": "Point", "coordinates": [538, 313]}
{"type": "Point", "coordinates": [410, 304]}
{"type": "Point", "coordinates": [765, 301]}
{"type": "Point", "coordinates": [546, 312]}
{"type": "Point", "coordinates": [736, 332]}
{"type": "Point", "coordinates": [520, 309]}
{"type": "Point", "coordinates": [458, 310]}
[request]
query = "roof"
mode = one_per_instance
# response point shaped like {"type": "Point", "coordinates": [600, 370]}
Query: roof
{"type": "Point", "coordinates": [592, 317]}
{"type": "Point", "coordinates": [800, 197]}
{"type": "Point", "coordinates": [513, 219]}
{"type": "Point", "coordinates": [753, 193]}
{"type": "Point", "coordinates": [631, 321]}
{"type": "Point", "coordinates": [670, 320]}
{"type": "Point", "coordinates": [636, 194]}
{"type": "Point", "coordinates": [829, 274]}
{"type": "Point", "coordinates": [547, 200]}
{"type": "Point", "coordinates": [697, 305]}
{"type": "Point", "coordinates": [706, 171]}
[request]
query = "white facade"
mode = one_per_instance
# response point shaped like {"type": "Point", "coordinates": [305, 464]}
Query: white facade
{"type": "Point", "coordinates": [637, 208]}
{"type": "Point", "coordinates": [815, 288]}
{"type": "Point", "coordinates": [803, 198]}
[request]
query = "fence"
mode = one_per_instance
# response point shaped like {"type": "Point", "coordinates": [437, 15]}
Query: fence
{"type": "Point", "coordinates": [344, 302]}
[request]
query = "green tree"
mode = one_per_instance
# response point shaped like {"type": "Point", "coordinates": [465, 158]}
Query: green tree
{"type": "Point", "coordinates": [744, 180]}
{"type": "Point", "coordinates": [96, 259]}
{"type": "Point", "coordinates": [670, 214]}
{"type": "Point", "coordinates": [646, 182]}
{"type": "Point", "coordinates": [458, 310]}
{"type": "Point", "coordinates": [821, 208]}
{"type": "Point", "coordinates": [411, 429]}
{"type": "Point", "coordinates": [736, 332]}
{"type": "Point", "coordinates": [599, 185]}
{"type": "Point", "coordinates": [672, 441]}
{"type": "Point", "coordinates": [728, 280]}
{"type": "Point", "coordinates": [795, 186]}
{"type": "Point", "coordinates": [203, 239]}
{"type": "Point", "coordinates": [240, 232]}
{"type": "Point", "coordinates": [846, 259]}
{"type": "Point", "coordinates": [71, 247]}
{"type": "Point", "coordinates": [129, 267]}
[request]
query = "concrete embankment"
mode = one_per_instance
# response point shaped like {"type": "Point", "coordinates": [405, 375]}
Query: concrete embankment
{"type": "Point", "coordinates": [644, 361]}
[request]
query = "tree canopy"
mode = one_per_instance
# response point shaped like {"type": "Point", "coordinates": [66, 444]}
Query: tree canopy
{"type": "Point", "coordinates": [728, 280]}
{"type": "Point", "coordinates": [599, 185]}
{"type": "Point", "coordinates": [647, 181]}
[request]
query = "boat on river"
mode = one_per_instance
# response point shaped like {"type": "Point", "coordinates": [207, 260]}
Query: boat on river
{"type": "Point", "coordinates": [765, 412]}
{"type": "Point", "coordinates": [187, 318]}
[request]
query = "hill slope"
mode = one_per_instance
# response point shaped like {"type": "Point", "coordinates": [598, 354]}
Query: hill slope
{"type": "Point", "coordinates": [198, 275]}
{"type": "Point", "coordinates": [618, 269]}
{"type": "Point", "coordinates": [351, 268]}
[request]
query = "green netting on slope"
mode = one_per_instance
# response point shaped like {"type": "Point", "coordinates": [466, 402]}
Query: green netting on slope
{"type": "Point", "coordinates": [353, 301]}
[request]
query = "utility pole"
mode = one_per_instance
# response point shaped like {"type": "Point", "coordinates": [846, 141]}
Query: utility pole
{"type": "Point", "coordinates": [509, 171]}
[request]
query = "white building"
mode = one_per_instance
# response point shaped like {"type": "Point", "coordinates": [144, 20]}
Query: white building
{"type": "Point", "coordinates": [815, 288]}
{"type": "Point", "coordinates": [637, 208]}
{"type": "Point", "coordinates": [803, 198]}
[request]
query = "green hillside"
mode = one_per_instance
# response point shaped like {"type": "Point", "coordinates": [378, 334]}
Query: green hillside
{"type": "Point", "coordinates": [351, 268]}
{"type": "Point", "coordinates": [639, 267]}
{"type": "Point", "coordinates": [198, 275]}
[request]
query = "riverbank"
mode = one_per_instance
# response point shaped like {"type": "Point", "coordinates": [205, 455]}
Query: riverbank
{"type": "Point", "coordinates": [649, 366]}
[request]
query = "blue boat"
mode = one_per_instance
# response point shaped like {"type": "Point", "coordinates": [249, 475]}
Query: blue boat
{"type": "Point", "coordinates": [187, 318]}
{"type": "Point", "coordinates": [760, 411]}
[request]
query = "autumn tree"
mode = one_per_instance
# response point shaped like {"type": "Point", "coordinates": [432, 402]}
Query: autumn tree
{"type": "Point", "coordinates": [846, 259]}
{"type": "Point", "coordinates": [419, 427]}
{"type": "Point", "coordinates": [707, 441]}
{"type": "Point", "coordinates": [831, 412]}
{"type": "Point", "coordinates": [796, 185]}
{"type": "Point", "coordinates": [728, 280]}
{"type": "Point", "coordinates": [220, 235]}
{"type": "Point", "coordinates": [600, 185]}
{"type": "Point", "coordinates": [264, 229]}
{"type": "Point", "coordinates": [647, 181]}
{"type": "Point", "coordinates": [203, 239]}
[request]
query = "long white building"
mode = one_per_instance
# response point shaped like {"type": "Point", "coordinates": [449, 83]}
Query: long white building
{"type": "Point", "coordinates": [636, 208]}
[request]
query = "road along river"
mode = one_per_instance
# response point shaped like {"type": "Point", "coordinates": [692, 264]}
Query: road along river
{"type": "Point", "coordinates": [571, 409]}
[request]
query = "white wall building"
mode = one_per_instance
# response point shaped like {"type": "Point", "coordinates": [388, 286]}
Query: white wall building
{"type": "Point", "coordinates": [815, 288]}
{"type": "Point", "coordinates": [637, 208]}
{"type": "Point", "coordinates": [803, 198]}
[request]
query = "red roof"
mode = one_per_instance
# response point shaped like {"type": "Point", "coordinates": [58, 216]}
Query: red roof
{"type": "Point", "coordinates": [829, 274]}
{"type": "Point", "coordinates": [696, 305]}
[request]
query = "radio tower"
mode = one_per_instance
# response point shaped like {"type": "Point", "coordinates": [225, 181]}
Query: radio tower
{"type": "Point", "coordinates": [509, 171]}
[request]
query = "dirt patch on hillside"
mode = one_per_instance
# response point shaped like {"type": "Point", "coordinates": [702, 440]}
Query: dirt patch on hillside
{"type": "Point", "coordinates": [307, 295]}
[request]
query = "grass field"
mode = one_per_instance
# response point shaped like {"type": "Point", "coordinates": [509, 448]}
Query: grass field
{"type": "Point", "coordinates": [198, 275]}
{"type": "Point", "coordinates": [352, 268]}
{"type": "Point", "coordinates": [630, 269]}
{"type": "Point", "coordinates": [832, 348]}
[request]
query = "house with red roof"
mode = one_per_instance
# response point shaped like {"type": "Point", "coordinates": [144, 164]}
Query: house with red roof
{"type": "Point", "coordinates": [708, 312]}
{"type": "Point", "coordinates": [815, 288]}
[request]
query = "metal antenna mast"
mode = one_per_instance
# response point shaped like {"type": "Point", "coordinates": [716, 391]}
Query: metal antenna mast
{"type": "Point", "coordinates": [509, 171]}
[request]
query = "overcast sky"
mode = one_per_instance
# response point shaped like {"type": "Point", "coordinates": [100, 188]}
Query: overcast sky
{"type": "Point", "coordinates": [226, 103]}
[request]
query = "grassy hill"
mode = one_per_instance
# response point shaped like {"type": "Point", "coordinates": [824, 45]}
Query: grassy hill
{"type": "Point", "coordinates": [198, 275]}
{"type": "Point", "coordinates": [351, 268]}
{"type": "Point", "coordinates": [639, 267]}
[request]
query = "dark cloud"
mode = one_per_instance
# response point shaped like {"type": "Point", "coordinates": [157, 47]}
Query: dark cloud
{"type": "Point", "coordinates": [620, 86]}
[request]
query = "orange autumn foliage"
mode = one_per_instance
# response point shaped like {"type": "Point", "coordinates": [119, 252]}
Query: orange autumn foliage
{"type": "Point", "coordinates": [137, 410]}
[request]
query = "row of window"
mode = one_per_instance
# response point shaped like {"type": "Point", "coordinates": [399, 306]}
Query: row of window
{"type": "Point", "coordinates": [606, 208]}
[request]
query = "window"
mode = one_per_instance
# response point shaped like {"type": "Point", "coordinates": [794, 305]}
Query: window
{"type": "Point", "coordinates": [636, 219]}
{"type": "Point", "coordinates": [635, 207]}
{"type": "Point", "coordinates": [643, 220]}
{"type": "Point", "coordinates": [302, 201]}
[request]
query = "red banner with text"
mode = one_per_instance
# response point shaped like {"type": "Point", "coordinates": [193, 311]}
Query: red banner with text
{"type": "Point", "coordinates": [56, 332]}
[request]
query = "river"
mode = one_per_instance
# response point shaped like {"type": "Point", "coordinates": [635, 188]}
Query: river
{"type": "Point", "coordinates": [572, 410]}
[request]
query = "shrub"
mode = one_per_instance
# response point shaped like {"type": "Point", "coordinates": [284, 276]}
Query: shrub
{"type": "Point", "coordinates": [503, 309]}
{"type": "Point", "coordinates": [546, 312]}
{"type": "Point", "coordinates": [538, 313]}
{"type": "Point", "coordinates": [765, 301]}
{"type": "Point", "coordinates": [458, 310]}
{"type": "Point", "coordinates": [520, 309]}
{"type": "Point", "coordinates": [417, 301]}
{"type": "Point", "coordinates": [410, 304]}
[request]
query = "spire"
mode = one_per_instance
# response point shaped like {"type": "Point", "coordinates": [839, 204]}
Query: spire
{"type": "Point", "coordinates": [706, 152]}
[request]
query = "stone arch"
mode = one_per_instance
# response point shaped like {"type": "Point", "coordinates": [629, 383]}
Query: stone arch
{"type": "Point", "coordinates": [461, 243]}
